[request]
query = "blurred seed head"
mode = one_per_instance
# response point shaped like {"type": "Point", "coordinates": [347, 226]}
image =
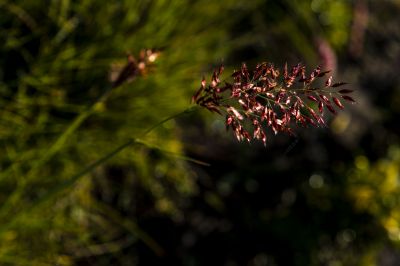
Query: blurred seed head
{"type": "Point", "coordinates": [134, 67]}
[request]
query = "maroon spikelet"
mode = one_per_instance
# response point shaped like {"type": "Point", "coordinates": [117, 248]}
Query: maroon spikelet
{"type": "Point", "coordinates": [263, 99]}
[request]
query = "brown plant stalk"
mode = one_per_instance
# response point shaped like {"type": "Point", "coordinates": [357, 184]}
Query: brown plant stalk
{"type": "Point", "coordinates": [265, 99]}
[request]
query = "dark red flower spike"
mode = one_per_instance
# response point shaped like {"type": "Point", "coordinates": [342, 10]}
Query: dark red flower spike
{"type": "Point", "coordinates": [264, 99]}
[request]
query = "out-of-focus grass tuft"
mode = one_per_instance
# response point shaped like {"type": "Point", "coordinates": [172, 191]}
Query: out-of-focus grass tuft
{"type": "Point", "coordinates": [56, 58]}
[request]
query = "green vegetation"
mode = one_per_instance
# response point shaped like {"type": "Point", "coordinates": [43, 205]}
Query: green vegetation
{"type": "Point", "coordinates": [95, 175]}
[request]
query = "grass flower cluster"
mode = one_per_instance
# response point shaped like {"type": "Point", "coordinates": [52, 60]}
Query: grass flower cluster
{"type": "Point", "coordinates": [265, 99]}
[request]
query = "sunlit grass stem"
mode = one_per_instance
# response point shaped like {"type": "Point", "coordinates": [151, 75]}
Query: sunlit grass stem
{"type": "Point", "coordinates": [55, 191]}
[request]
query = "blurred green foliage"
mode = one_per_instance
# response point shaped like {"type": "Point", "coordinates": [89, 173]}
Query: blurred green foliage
{"type": "Point", "coordinates": [374, 188]}
{"type": "Point", "coordinates": [56, 60]}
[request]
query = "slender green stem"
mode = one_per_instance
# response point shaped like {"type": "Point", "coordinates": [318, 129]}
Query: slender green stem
{"type": "Point", "coordinates": [179, 156]}
{"type": "Point", "coordinates": [64, 185]}
{"type": "Point", "coordinates": [52, 150]}
{"type": "Point", "coordinates": [71, 181]}
{"type": "Point", "coordinates": [59, 143]}
{"type": "Point", "coordinates": [188, 110]}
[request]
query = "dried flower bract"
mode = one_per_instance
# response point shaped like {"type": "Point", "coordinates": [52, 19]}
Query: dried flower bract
{"type": "Point", "coordinates": [265, 99]}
